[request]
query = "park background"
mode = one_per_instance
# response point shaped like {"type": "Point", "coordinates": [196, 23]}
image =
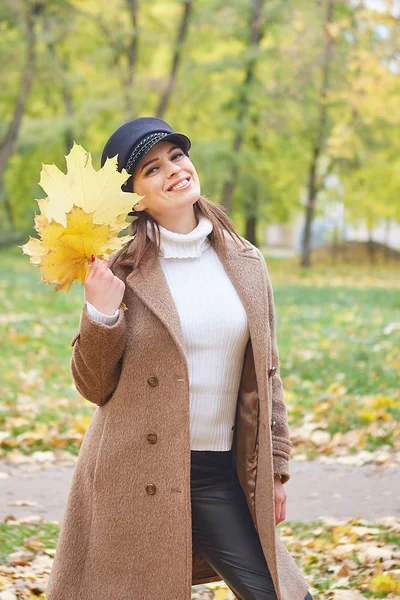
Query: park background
{"type": "Point", "coordinates": [293, 109]}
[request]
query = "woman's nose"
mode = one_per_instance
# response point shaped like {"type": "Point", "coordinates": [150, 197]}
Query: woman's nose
{"type": "Point", "coordinates": [173, 168]}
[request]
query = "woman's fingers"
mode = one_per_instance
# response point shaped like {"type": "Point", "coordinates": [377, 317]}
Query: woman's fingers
{"type": "Point", "coordinates": [280, 512]}
{"type": "Point", "coordinates": [95, 269]}
{"type": "Point", "coordinates": [98, 266]}
{"type": "Point", "coordinates": [283, 510]}
{"type": "Point", "coordinates": [277, 511]}
{"type": "Point", "coordinates": [280, 503]}
{"type": "Point", "coordinates": [103, 289]}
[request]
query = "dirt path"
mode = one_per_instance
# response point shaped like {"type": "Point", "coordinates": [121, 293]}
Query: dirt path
{"type": "Point", "coordinates": [314, 490]}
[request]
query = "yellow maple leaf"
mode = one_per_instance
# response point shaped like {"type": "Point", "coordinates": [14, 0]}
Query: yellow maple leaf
{"type": "Point", "coordinates": [83, 213]}
{"type": "Point", "coordinates": [383, 583]}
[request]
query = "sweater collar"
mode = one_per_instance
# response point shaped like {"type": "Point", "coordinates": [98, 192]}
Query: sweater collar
{"type": "Point", "coordinates": [184, 245]}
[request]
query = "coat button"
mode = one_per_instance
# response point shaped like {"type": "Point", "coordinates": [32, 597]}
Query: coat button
{"type": "Point", "coordinates": [152, 438]}
{"type": "Point", "coordinates": [151, 489]}
{"type": "Point", "coordinates": [271, 371]}
{"type": "Point", "coordinates": [152, 380]}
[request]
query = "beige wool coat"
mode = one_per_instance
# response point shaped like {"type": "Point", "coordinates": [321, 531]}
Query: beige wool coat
{"type": "Point", "coordinates": [126, 533]}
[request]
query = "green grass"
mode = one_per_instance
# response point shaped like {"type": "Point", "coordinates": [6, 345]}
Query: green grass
{"type": "Point", "coordinates": [335, 336]}
{"type": "Point", "coordinates": [36, 328]}
{"type": "Point", "coordinates": [338, 335]}
{"type": "Point", "coordinates": [31, 537]}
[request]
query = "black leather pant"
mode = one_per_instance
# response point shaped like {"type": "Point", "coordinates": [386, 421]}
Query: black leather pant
{"type": "Point", "coordinates": [223, 530]}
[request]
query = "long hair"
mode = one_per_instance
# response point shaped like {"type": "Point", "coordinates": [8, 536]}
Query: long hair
{"type": "Point", "coordinates": [219, 219]}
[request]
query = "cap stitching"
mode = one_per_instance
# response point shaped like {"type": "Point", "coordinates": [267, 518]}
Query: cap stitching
{"type": "Point", "coordinates": [141, 148]}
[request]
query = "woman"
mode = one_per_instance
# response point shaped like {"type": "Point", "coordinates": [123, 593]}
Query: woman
{"type": "Point", "coordinates": [180, 476]}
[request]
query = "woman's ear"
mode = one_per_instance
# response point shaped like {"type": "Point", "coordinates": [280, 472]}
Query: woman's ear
{"type": "Point", "coordinates": [139, 206]}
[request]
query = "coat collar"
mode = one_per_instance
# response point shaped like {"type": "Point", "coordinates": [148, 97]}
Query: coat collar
{"type": "Point", "coordinates": [244, 267]}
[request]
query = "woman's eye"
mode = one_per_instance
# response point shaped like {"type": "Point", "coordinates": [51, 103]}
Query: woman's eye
{"type": "Point", "coordinates": [177, 155]}
{"type": "Point", "coordinates": [150, 170]}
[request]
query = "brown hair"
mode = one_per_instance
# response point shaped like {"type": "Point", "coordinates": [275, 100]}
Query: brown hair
{"type": "Point", "coordinates": [203, 206]}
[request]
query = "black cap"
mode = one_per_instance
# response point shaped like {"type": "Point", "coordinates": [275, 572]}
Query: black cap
{"type": "Point", "coordinates": [134, 139]}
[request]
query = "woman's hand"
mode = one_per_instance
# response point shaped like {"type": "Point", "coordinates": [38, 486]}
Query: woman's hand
{"type": "Point", "coordinates": [280, 500]}
{"type": "Point", "coordinates": [103, 289]}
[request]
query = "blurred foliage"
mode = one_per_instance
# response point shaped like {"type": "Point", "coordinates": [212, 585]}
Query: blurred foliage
{"type": "Point", "coordinates": [97, 65]}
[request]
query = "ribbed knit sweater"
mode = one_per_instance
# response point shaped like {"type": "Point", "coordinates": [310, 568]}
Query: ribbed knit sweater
{"type": "Point", "coordinates": [215, 331]}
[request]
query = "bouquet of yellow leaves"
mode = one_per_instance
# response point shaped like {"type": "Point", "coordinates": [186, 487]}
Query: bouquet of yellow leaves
{"type": "Point", "coordinates": [83, 214]}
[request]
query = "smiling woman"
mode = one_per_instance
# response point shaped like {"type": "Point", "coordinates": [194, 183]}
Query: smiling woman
{"type": "Point", "coordinates": [169, 184]}
{"type": "Point", "coordinates": [157, 159]}
{"type": "Point", "coordinates": [180, 477]}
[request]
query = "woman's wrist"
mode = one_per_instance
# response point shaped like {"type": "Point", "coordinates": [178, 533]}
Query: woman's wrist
{"type": "Point", "coordinates": [104, 310]}
{"type": "Point", "coordinates": [100, 317]}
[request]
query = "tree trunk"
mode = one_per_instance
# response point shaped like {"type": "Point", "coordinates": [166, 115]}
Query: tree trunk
{"type": "Point", "coordinates": [251, 224]}
{"type": "Point", "coordinates": [182, 33]}
{"type": "Point", "coordinates": [132, 56]}
{"type": "Point", "coordinates": [388, 227]}
{"type": "Point", "coordinates": [68, 107]}
{"type": "Point", "coordinates": [257, 30]}
{"type": "Point", "coordinates": [8, 143]}
{"type": "Point", "coordinates": [312, 190]}
{"type": "Point", "coordinates": [335, 244]}
{"type": "Point", "coordinates": [252, 199]}
{"type": "Point", "coordinates": [62, 67]}
{"type": "Point", "coordinates": [371, 247]}
{"type": "Point", "coordinates": [311, 195]}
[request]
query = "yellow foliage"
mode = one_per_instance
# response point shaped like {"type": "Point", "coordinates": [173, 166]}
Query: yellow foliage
{"type": "Point", "coordinates": [339, 141]}
{"type": "Point", "coordinates": [220, 594]}
{"type": "Point", "coordinates": [340, 533]}
{"type": "Point", "coordinates": [370, 415]}
{"type": "Point", "coordinates": [367, 415]}
{"type": "Point", "coordinates": [83, 214]}
{"type": "Point", "coordinates": [385, 583]}
{"type": "Point", "coordinates": [381, 401]}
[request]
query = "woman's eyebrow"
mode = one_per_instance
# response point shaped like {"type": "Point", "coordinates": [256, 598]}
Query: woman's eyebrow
{"type": "Point", "coordinates": [154, 159]}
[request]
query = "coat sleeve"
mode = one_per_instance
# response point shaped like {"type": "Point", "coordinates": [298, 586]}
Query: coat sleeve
{"type": "Point", "coordinates": [281, 444]}
{"type": "Point", "coordinates": [97, 357]}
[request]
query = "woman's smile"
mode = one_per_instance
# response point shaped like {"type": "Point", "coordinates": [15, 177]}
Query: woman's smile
{"type": "Point", "coordinates": [182, 185]}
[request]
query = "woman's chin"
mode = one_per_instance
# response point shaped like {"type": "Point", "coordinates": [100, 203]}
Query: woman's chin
{"type": "Point", "coordinates": [190, 197]}
{"type": "Point", "coordinates": [194, 193]}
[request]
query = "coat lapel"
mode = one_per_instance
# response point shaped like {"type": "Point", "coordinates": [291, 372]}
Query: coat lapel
{"type": "Point", "coordinates": [148, 282]}
{"type": "Point", "coordinates": [244, 267]}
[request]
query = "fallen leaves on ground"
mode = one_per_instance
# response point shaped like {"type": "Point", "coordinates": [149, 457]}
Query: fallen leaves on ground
{"type": "Point", "coordinates": [341, 560]}
{"type": "Point", "coordinates": [376, 440]}
{"type": "Point", "coordinates": [339, 351]}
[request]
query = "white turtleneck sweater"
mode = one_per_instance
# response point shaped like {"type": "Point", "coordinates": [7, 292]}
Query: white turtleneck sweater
{"type": "Point", "coordinates": [215, 331]}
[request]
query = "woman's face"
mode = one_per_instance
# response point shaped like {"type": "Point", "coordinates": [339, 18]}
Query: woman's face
{"type": "Point", "coordinates": [156, 177]}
